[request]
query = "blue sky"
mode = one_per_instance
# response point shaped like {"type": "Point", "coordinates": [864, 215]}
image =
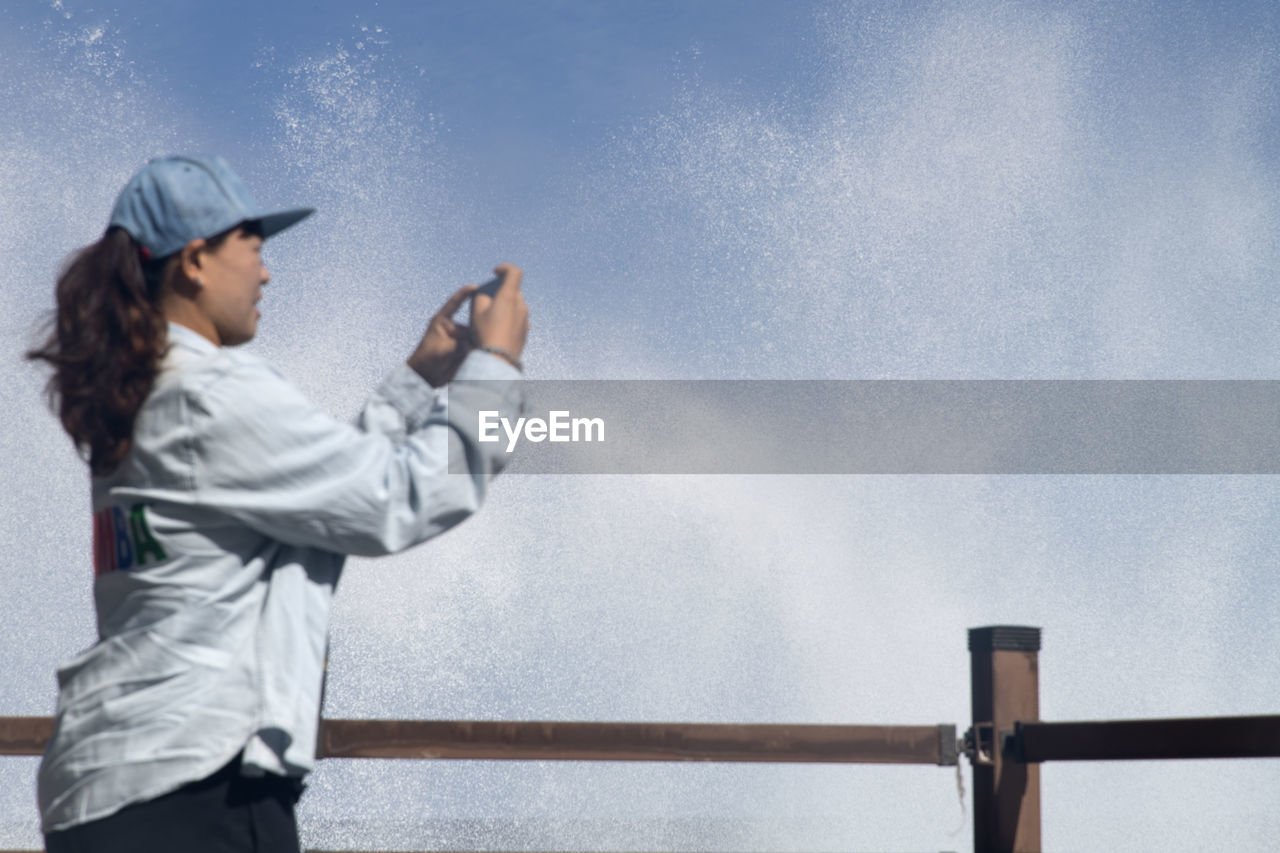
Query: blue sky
{"type": "Point", "coordinates": [960, 189]}
{"type": "Point", "coordinates": [521, 87]}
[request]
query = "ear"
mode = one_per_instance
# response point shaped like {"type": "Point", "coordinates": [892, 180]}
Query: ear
{"type": "Point", "coordinates": [191, 261]}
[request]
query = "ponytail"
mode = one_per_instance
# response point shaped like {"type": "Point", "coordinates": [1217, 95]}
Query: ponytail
{"type": "Point", "coordinates": [107, 338]}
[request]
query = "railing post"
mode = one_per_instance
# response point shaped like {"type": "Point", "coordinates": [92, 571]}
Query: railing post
{"type": "Point", "coordinates": [1004, 673]}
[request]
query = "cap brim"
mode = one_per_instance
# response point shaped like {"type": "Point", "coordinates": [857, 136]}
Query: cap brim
{"type": "Point", "coordinates": [274, 223]}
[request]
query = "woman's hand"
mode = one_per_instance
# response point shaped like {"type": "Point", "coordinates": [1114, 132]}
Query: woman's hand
{"type": "Point", "coordinates": [501, 321]}
{"type": "Point", "coordinates": [445, 343]}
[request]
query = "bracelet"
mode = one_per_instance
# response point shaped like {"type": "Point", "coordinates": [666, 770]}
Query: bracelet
{"type": "Point", "coordinates": [505, 354]}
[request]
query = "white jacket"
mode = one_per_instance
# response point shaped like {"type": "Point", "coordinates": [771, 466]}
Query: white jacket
{"type": "Point", "coordinates": [218, 543]}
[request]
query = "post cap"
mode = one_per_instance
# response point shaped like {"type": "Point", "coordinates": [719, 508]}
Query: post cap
{"type": "Point", "coordinates": [1004, 638]}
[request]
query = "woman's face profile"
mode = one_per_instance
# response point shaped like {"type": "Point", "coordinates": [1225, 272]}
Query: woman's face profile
{"type": "Point", "coordinates": [231, 279]}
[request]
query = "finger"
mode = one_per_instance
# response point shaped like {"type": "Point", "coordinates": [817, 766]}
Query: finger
{"type": "Point", "coordinates": [453, 303]}
{"type": "Point", "coordinates": [511, 276]}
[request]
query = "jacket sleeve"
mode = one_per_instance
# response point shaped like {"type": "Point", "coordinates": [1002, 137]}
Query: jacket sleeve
{"type": "Point", "coordinates": [410, 467]}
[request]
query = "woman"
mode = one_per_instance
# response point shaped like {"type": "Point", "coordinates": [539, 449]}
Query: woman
{"type": "Point", "coordinates": [224, 504]}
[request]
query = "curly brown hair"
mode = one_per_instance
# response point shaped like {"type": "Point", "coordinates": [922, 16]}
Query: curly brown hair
{"type": "Point", "coordinates": [106, 339]}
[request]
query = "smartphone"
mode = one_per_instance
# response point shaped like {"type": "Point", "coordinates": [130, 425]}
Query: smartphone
{"type": "Point", "coordinates": [489, 288]}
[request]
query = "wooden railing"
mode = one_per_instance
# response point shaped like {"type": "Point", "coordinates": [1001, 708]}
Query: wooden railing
{"type": "Point", "coordinates": [1005, 743]}
{"type": "Point", "coordinates": [572, 741]}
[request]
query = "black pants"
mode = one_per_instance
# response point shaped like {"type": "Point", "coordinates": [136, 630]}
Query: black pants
{"type": "Point", "coordinates": [225, 813]}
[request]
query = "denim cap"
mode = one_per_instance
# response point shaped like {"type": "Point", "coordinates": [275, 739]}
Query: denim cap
{"type": "Point", "coordinates": [175, 200]}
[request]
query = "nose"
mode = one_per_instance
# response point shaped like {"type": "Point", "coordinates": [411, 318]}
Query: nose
{"type": "Point", "coordinates": [265, 275]}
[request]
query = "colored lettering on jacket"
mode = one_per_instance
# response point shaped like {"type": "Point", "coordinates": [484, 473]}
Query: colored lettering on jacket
{"type": "Point", "coordinates": [123, 542]}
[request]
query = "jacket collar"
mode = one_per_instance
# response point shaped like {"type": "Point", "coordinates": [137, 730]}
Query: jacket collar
{"type": "Point", "coordinates": [180, 335]}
